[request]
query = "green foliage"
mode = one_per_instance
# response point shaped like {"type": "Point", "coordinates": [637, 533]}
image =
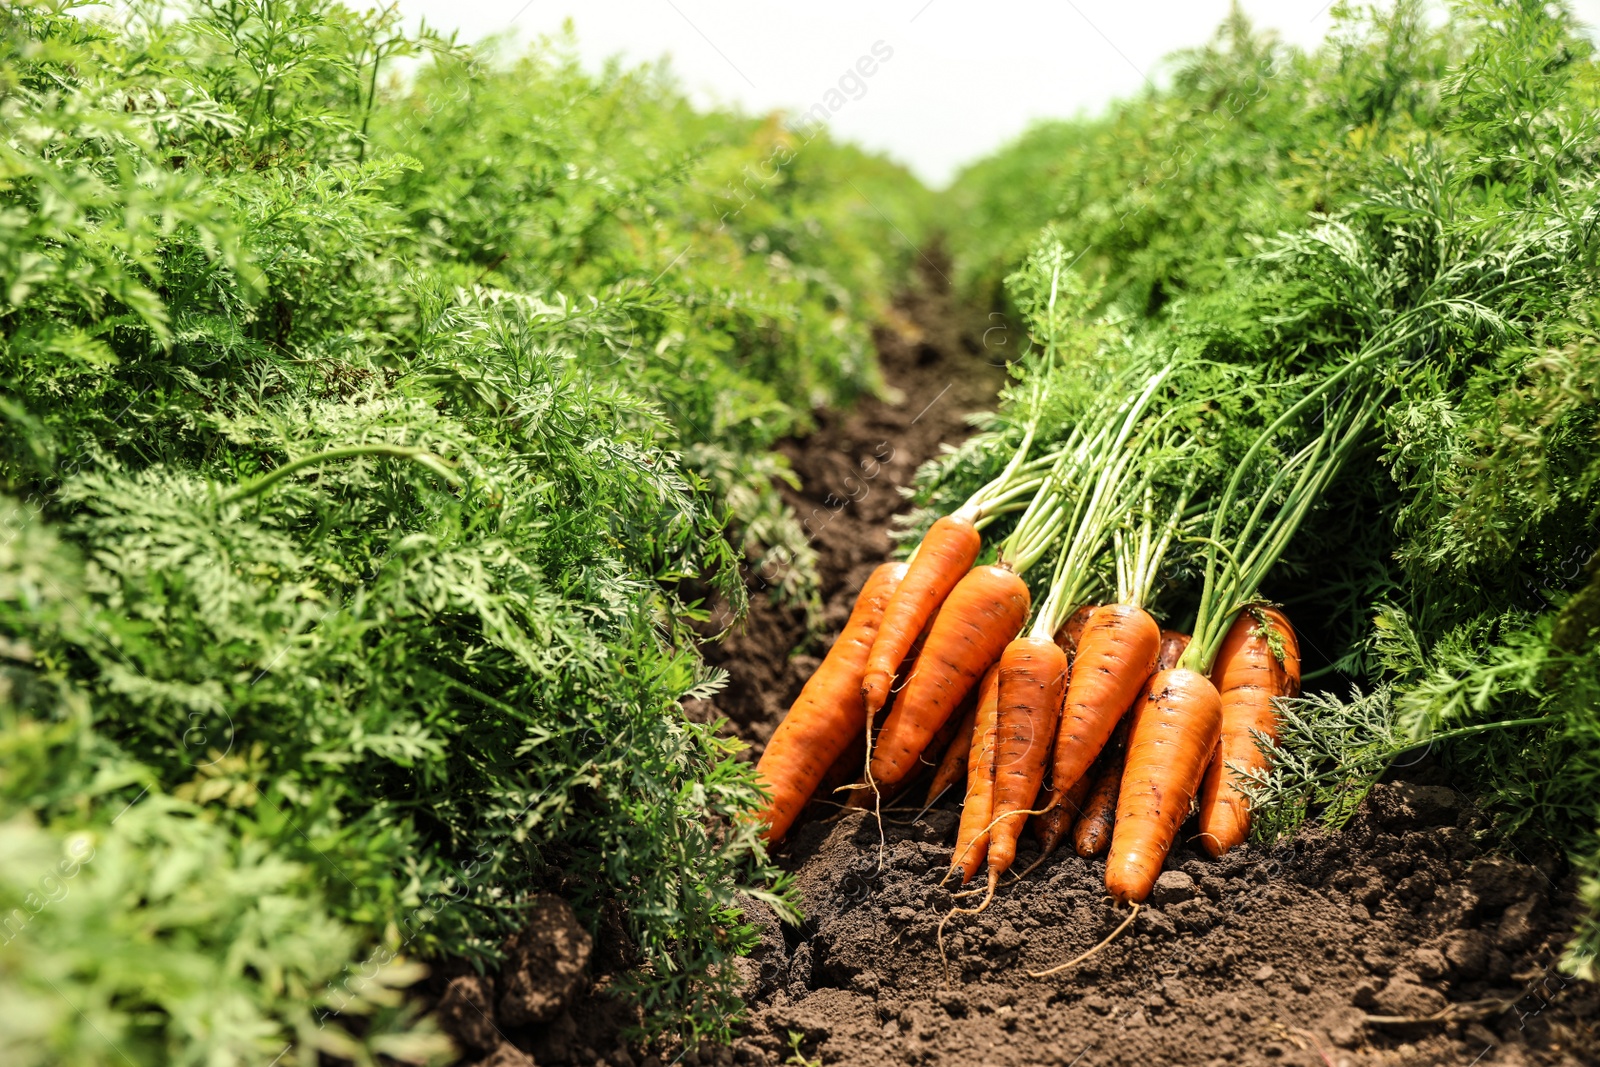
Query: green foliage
{"type": "Point", "coordinates": [1408, 212]}
{"type": "Point", "coordinates": [1327, 756]}
{"type": "Point", "coordinates": [372, 448]}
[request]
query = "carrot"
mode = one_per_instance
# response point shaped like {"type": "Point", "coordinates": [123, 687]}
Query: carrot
{"type": "Point", "coordinates": [942, 740]}
{"type": "Point", "coordinates": [827, 714]}
{"type": "Point", "coordinates": [1116, 655]}
{"type": "Point", "coordinates": [1259, 661]}
{"type": "Point", "coordinates": [972, 839]}
{"type": "Point", "coordinates": [954, 763]}
{"type": "Point", "coordinates": [1052, 824]}
{"type": "Point", "coordinates": [871, 795]}
{"type": "Point", "coordinates": [982, 614]}
{"type": "Point", "coordinates": [1033, 678]}
{"type": "Point", "coordinates": [1071, 631]}
{"type": "Point", "coordinates": [1092, 835]}
{"type": "Point", "coordinates": [844, 770]}
{"type": "Point", "coordinates": [947, 552]}
{"type": "Point", "coordinates": [1173, 642]}
{"type": "Point", "coordinates": [1170, 739]}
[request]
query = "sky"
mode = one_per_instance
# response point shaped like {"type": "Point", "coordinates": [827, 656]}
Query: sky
{"type": "Point", "coordinates": [950, 80]}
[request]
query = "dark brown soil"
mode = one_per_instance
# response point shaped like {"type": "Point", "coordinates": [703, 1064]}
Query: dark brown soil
{"type": "Point", "coordinates": [1396, 941]}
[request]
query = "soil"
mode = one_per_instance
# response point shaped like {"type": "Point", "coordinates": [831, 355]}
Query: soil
{"type": "Point", "coordinates": [1406, 938]}
{"type": "Point", "coordinates": [1395, 941]}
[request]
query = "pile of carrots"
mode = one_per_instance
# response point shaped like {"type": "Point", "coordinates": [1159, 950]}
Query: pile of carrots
{"type": "Point", "coordinates": [1081, 712]}
{"type": "Point", "coordinates": [1092, 721]}
{"type": "Point", "coordinates": [1104, 706]}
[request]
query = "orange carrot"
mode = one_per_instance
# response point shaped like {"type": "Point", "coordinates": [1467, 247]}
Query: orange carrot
{"type": "Point", "coordinates": [842, 771]}
{"type": "Point", "coordinates": [947, 552]}
{"type": "Point", "coordinates": [1092, 835]}
{"type": "Point", "coordinates": [1033, 679]}
{"type": "Point", "coordinates": [941, 741]}
{"type": "Point", "coordinates": [1053, 823]}
{"type": "Point", "coordinates": [954, 763]}
{"type": "Point", "coordinates": [977, 620]}
{"type": "Point", "coordinates": [865, 796]}
{"type": "Point", "coordinates": [827, 714]}
{"type": "Point", "coordinates": [1173, 643]}
{"type": "Point", "coordinates": [1170, 739]}
{"type": "Point", "coordinates": [972, 839]}
{"type": "Point", "coordinates": [1249, 674]}
{"type": "Point", "coordinates": [1071, 631]}
{"type": "Point", "coordinates": [1116, 656]}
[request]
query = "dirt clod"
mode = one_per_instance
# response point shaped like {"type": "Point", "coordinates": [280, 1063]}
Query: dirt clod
{"type": "Point", "coordinates": [1404, 995]}
{"type": "Point", "coordinates": [467, 1011]}
{"type": "Point", "coordinates": [508, 1055]}
{"type": "Point", "coordinates": [544, 964]}
{"type": "Point", "coordinates": [1172, 887]}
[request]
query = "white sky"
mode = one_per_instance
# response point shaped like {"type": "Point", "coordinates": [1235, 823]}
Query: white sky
{"type": "Point", "coordinates": [963, 77]}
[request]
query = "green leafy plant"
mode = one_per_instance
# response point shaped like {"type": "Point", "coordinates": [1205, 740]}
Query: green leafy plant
{"type": "Point", "coordinates": [1405, 213]}
{"type": "Point", "coordinates": [374, 449]}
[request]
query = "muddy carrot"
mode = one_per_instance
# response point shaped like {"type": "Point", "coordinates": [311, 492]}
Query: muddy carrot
{"type": "Point", "coordinates": [1092, 835]}
{"type": "Point", "coordinates": [828, 713]}
{"type": "Point", "coordinates": [1033, 678]}
{"type": "Point", "coordinates": [977, 620]}
{"type": "Point", "coordinates": [1174, 728]}
{"type": "Point", "coordinates": [1055, 821]}
{"type": "Point", "coordinates": [945, 556]}
{"type": "Point", "coordinates": [972, 838]}
{"type": "Point", "coordinates": [1259, 661]}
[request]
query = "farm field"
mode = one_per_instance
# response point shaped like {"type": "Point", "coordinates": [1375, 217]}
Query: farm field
{"type": "Point", "coordinates": [500, 564]}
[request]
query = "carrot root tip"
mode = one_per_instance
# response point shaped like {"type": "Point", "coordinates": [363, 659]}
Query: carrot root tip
{"type": "Point", "coordinates": [1112, 936]}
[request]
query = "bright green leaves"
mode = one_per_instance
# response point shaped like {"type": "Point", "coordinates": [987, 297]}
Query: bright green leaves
{"type": "Point", "coordinates": [400, 431]}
